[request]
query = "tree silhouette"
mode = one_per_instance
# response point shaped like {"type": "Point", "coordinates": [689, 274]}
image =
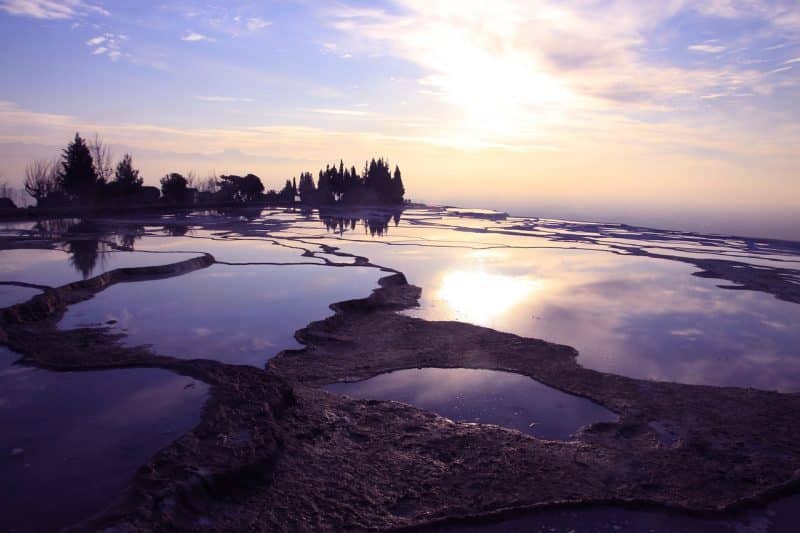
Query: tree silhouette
{"type": "Point", "coordinates": [102, 159]}
{"type": "Point", "coordinates": [173, 187]}
{"type": "Point", "coordinates": [126, 179]}
{"type": "Point", "coordinates": [337, 184]}
{"type": "Point", "coordinates": [324, 189]}
{"type": "Point", "coordinates": [287, 193]}
{"type": "Point", "coordinates": [397, 190]}
{"type": "Point", "coordinates": [251, 187]}
{"type": "Point", "coordinates": [306, 188]}
{"type": "Point", "coordinates": [77, 175]}
{"type": "Point", "coordinates": [41, 179]}
{"type": "Point", "coordinates": [240, 189]}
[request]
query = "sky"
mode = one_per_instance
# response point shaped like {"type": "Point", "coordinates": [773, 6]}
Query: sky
{"type": "Point", "coordinates": [572, 107]}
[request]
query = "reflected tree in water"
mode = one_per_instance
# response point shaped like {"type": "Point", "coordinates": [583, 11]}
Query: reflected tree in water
{"type": "Point", "coordinates": [82, 242]}
{"type": "Point", "coordinates": [86, 242]}
{"type": "Point", "coordinates": [376, 223]}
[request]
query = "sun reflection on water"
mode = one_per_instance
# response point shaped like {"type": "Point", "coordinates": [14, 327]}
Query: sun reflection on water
{"type": "Point", "coordinates": [479, 297]}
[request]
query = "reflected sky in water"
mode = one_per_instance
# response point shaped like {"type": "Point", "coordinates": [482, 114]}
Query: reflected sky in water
{"type": "Point", "coordinates": [237, 314]}
{"type": "Point", "coordinates": [71, 441]}
{"type": "Point", "coordinates": [59, 267]}
{"type": "Point", "coordinates": [634, 316]}
{"type": "Point", "coordinates": [483, 396]}
{"type": "Point", "coordinates": [11, 294]}
{"type": "Point", "coordinates": [574, 283]}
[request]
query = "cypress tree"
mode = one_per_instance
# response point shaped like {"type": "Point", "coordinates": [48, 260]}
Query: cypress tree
{"type": "Point", "coordinates": [397, 186]}
{"type": "Point", "coordinates": [126, 178]}
{"type": "Point", "coordinates": [77, 175]}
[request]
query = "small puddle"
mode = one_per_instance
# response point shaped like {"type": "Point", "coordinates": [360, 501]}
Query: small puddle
{"type": "Point", "coordinates": [241, 314]}
{"type": "Point", "coordinates": [71, 441]}
{"type": "Point", "coordinates": [483, 396]}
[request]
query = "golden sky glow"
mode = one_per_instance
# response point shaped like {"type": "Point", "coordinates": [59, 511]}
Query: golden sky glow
{"type": "Point", "coordinates": [508, 104]}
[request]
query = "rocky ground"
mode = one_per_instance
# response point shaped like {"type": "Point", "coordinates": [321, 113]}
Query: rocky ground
{"type": "Point", "coordinates": [273, 452]}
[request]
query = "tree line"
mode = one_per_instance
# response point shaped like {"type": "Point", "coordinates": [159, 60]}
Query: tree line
{"type": "Point", "coordinates": [85, 175]}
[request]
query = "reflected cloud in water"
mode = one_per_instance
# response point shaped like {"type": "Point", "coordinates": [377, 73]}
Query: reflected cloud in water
{"type": "Point", "coordinates": [483, 396]}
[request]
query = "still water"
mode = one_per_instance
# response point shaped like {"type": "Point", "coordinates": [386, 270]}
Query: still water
{"type": "Point", "coordinates": [587, 285]}
{"type": "Point", "coordinates": [591, 286]}
{"type": "Point", "coordinates": [71, 441]}
{"type": "Point", "coordinates": [483, 396]}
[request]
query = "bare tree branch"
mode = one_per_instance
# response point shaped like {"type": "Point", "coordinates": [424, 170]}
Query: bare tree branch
{"type": "Point", "coordinates": [102, 158]}
{"type": "Point", "coordinates": [41, 178]}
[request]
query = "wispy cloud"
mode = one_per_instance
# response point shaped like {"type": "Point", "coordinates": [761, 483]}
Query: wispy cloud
{"type": "Point", "coordinates": [779, 69]}
{"type": "Point", "coordinates": [193, 36]}
{"type": "Point", "coordinates": [791, 61]}
{"type": "Point", "coordinates": [256, 23]}
{"type": "Point", "coordinates": [51, 9]}
{"type": "Point", "coordinates": [108, 44]}
{"type": "Point", "coordinates": [223, 99]}
{"type": "Point", "coordinates": [706, 48]}
{"type": "Point", "coordinates": [342, 112]}
{"type": "Point", "coordinates": [524, 68]}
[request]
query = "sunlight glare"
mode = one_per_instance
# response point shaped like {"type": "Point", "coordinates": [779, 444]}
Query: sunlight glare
{"type": "Point", "coordinates": [478, 297]}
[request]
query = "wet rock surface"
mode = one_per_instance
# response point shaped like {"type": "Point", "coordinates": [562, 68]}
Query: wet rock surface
{"type": "Point", "coordinates": [273, 452]}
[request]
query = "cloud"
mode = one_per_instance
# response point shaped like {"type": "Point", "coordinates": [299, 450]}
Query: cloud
{"type": "Point", "coordinates": [108, 44]}
{"type": "Point", "coordinates": [51, 9]}
{"type": "Point", "coordinates": [706, 48]}
{"type": "Point", "coordinates": [194, 37]}
{"type": "Point", "coordinates": [255, 24]}
{"type": "Point", "coordinates": [222, 99]}
{"type": "Point", "coordinates": [342, 112]}
{"type": "Point", "coordinates": [780, 69]}
{"type": "Point", "coordinates": [789, 62]}
{"type": "Point", "coordinates": [511, 70]}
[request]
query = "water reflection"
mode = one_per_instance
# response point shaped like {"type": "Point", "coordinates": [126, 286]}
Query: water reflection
{"type": "Point", "coordinates": [376, 223]}
{"type": "Point", "coordinates": [87, 244]}
{"type": "Point", "coordinates": [633, 316]}
{"type": "Point", "coordinates": [241, 314]}
{"type": "Point", "coordinates": [485, 396]}
{"type": "Point", "coordinates": [12, 294]}
{"type": "Point", "coordinates": [72, 440]}
{"type": "Point", "coordinates": [478, 296]}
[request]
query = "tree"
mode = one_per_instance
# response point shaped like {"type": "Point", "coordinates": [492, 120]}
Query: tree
{"type": "Point", "coordinates": [306, 188]}
{"type": "Point", "coordinates": [41, 178]}
{"type": "Point", "coordinates": [337, 184]}
{"type": "Point", "coordinates": [191, 178]}
{"type": "Point", "coordinates": [77, 176]}
{"type": "Point", "coordinates": [102, 158]}
{"type": "Point", "coordinates": [240, 189]}
{"type": "Point", "coordinates": [210, 184]}
{"type": "Point", "coordinates": [397, 189]}
{"type": "Point", "coordinates": [324, 191]}
{"type": "Point", "coordinates": [126, 178]}
{"type": "Point", "coordinates": [173, 187]}
{"type": "Point", "coordinates": [287, 193]}
{"type": "Point", "coordinates": [251, 187]}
